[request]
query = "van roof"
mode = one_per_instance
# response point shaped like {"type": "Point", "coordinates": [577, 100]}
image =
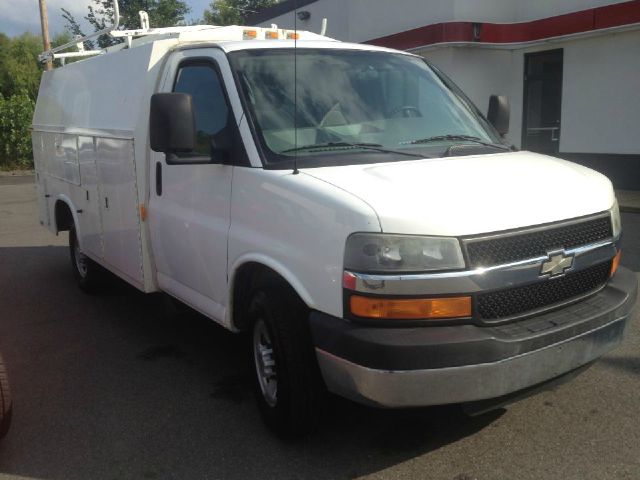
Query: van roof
{"type": "Point", "coordinates": [233, 46]}
{"type": "Point", "coordinates": [229, 38]}
{"type": "Point", "coordinates": [234, 38]}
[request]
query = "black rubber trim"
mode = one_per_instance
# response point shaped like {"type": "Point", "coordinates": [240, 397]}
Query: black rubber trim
{"type": "Point", "coordinates": [426, 347]}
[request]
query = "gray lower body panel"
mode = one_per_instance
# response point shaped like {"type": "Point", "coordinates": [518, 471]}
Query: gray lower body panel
{"type": "Point", "coordinates": [488, 379]}
{"type": "Point", "coordinates": [414, 388]}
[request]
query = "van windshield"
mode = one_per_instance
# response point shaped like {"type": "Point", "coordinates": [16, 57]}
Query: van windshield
{"type": "Point", "coordinates": [353, 106]}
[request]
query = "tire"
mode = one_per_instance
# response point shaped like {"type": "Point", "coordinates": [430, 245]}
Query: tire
{"type": "Point", "coordinates": [88, 273]}
{"type": "Point", "coordinates": [282, 350]}
{"type": "Point", "coordinates": [6, 405]}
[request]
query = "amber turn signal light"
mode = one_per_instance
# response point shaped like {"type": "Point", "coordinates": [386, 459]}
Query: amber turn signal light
{"type": "Point", "coordinates": [616, 262]}
{"type": "Point", "coordinates": [410, 309]}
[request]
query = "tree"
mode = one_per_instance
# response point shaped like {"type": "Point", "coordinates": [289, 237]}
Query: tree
{"type": "Point", "coordinates": [162, 13]}
{"type": "Point", "coordinates": [234, 12]}
{"type": "Point", "coordinates": [19, 67]}
{"type": "Point", "coordinates": [20, 73]}
{"type": "Point", "coordinates": [16, 113]}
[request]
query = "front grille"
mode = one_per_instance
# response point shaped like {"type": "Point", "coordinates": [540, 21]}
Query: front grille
{"type": "Point", "coordinates": [512, 248]}
{"type": "Point", "coordinates": [514, 301]}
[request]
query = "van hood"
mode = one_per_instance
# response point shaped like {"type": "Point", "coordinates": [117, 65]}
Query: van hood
{"type": "Point", "coordinates": [472, 194]}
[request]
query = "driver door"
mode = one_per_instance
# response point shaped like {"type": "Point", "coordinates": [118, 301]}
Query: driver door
{"type": "Point", "coordinates": [189, 208]}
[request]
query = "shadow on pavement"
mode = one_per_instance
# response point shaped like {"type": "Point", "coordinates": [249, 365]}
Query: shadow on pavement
{"type": "Point", "coordinates": [628, 364]}
{"type": "Point", "coordinates": [124, 385]}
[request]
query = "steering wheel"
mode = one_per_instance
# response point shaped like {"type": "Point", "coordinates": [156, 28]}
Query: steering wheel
{"type": "Point", "coordinates": [407, 111]}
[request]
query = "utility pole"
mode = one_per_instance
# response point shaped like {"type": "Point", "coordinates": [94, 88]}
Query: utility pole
{"type": "Point", "coordinates": [44, 20]}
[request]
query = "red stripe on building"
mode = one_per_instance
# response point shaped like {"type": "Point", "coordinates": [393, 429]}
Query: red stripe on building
{"type": "Point", "coordinates": [618, 14]}
{"type": "Point", "coordinates": [577, 22]}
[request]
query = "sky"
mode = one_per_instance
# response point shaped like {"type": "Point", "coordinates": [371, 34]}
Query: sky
{"type": "Point", "coordinates": [19, 16]}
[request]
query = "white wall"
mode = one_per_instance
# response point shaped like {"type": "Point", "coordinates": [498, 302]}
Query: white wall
{"type": "Point", "coordinates": [600, 91]}
{"type": "Point", "coordinates": [481, 73]}
{"type": "Point", "coordinates": [601, 95]}
{"type": "Point", "coordinates": [362, 20]}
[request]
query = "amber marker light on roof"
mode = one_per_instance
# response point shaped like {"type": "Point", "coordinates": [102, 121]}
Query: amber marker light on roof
{"type": "Point", "coordinates": [616, 262]}
{"type": "Point", "coordinates": [293, 36]}
{"type": "Point", "coordinates": [271, 35]}
{"type": "Point", "coordinates": [249, 34]}
{"type": "Point", "coordinates": [410, 309]}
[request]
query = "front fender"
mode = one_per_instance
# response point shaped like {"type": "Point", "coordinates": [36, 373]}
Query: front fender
{"type": "Point", "coordinates": [278, 267]}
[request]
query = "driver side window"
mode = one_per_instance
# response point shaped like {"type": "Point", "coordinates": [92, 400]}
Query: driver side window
{"type": "Point", "coordinates": [203, 83]}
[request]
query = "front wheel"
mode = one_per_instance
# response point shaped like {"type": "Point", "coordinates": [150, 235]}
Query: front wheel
{"type": "Point", "coordinates": [88, 273]}
{"type": "Point", "coordinates": [287, 379]}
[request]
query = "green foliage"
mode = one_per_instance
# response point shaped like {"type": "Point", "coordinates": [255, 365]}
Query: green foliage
{"type": "Point", "coordinates": [20, 74]}
{"type": "Point", "coordinates": [162, 13]}
{"type": "Point", "coordinates": [19, 67]}
{"type": "Point", "coordinates": [15, 139]}
{"type": "Point", "coordinates": [234, 12]}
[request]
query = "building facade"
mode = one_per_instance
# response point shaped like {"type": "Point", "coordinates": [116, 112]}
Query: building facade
{"type": "Point", "coordinates": [571, 68]}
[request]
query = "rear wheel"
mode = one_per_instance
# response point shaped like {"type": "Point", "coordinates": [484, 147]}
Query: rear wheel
{"type": "Point", "coordinates": [88, 273]}
{"type": "Point", "coordinates": [287, 380]}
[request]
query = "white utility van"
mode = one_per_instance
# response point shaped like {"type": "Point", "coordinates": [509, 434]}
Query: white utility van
{"type": "Point", "coordinates": [344, 204]}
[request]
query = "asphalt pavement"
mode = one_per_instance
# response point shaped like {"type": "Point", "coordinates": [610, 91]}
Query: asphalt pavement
{"type": "Point", "coordinates": [121, 385]}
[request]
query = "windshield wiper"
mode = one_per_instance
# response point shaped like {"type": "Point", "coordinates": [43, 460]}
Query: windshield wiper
{"type": "Point", "coordinates": [467, 138]}
{"type": "Point", "coordinates": [369, 146]}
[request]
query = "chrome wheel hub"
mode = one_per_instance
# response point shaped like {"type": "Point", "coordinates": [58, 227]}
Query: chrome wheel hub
{"type": "Point", "coordinates": [81, 260]}
{"type": "Point", "coordinates": [265, 363]}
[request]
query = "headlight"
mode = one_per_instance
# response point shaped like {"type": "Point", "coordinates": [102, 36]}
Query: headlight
{"type": "Point", "coordinates": [616, 222]}
{"type": "Point", "coordinates": [386, 253]}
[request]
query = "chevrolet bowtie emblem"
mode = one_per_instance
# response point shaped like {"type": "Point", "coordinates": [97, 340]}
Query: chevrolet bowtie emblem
{"type": "Point", "coordinates": [556, 264]}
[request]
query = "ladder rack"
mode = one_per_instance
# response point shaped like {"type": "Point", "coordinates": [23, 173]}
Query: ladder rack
{"type": "Point", "coordinates": [192, 33]}
{"type": "Point", "coordinates": [51, 54]}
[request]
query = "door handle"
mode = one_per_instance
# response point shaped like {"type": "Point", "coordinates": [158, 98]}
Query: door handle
{"type": "Point", "coordinates": [158, 179]}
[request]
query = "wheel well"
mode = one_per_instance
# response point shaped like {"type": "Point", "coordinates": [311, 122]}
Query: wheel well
{"type": "Point", "coordinates": [248, 278]}
{"type": "Point", "coordinates": [63, 217]}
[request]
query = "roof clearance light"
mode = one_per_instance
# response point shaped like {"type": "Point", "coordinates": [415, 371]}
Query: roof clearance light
{"type": "Point", "coordinates": [249, 34]}
{"type": "Point", "coordinates": [293, 36]}
{"type": "Point", "coordinates": [271, 35]}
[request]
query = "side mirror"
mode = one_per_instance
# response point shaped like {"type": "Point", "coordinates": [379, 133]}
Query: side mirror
{"type": "Point", "coordinates": [172, 123]}
{"type": "Point", "coordinates": [498, 114]}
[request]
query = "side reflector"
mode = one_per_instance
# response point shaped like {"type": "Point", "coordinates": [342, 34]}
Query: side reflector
{"type": "Point", "coordinates": [143, 212]}
{"type": "Point", "coordinates": [249, 34]}
{"type": "Point", "coordinates": [410, 309]}
{"type": "Point", "coordinates": [271, 35]}
{"type": "Point", "coordinates": [293, 36]}
{"type": "Point", "coordinates": [349, 280]}
{"type": "Point", "coordinates": [616, 262]}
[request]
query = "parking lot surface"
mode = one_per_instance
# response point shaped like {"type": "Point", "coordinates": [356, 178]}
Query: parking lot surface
{"type": "Point", "coordinates": [122, 385]}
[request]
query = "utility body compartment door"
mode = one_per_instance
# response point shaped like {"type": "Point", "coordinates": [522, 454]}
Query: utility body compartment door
{"type": "Point", "coordinates": [119, 209]}
{"type": "Point", "coordinates": [89, 203]}
{"type": "Point", "coordinates": [41, 179]}
{"type": "Point", "coordinates": [189, 209]}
